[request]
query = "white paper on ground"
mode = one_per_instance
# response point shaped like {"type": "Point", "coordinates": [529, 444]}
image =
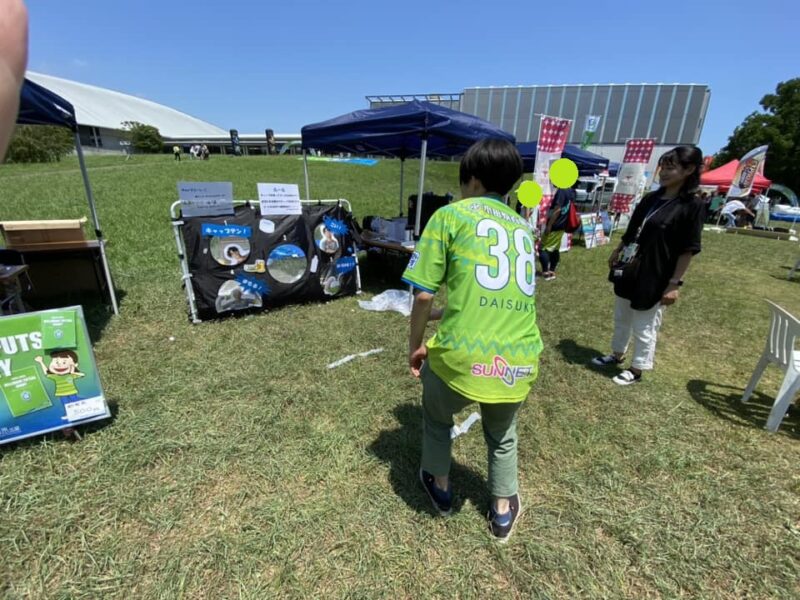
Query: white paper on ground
{"type": "Point", "coordinates": [457, 430]}
{"type": "Point", "coordinates": [350, 357]}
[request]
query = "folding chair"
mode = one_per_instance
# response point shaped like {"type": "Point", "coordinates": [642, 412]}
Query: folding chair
{"type": "Point", "coordinates": [784, 330]}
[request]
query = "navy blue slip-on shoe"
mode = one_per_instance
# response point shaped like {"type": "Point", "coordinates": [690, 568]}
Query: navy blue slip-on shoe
{"type": "Point", "coordinates": [501, 525]}
{"type": "Point", "coordinates": [442, 499]}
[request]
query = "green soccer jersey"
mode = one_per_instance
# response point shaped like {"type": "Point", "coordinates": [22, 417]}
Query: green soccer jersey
{"type": "Point", "coordinates": [487, 346]}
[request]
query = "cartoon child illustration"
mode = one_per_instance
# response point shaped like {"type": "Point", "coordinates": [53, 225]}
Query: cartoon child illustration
{"type": "Point", "coordinates": [63, 371]}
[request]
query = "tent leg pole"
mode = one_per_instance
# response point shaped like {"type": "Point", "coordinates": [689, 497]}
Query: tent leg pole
{"type": "Point", "coordinates": [107, 272]}
{"type": "Point", "coordinates": [402, 168]}
{"type": "Point", "coordinates": [96, 221]}
{"type": "Point", "coordinates": [423, 156]}
{"type": "Point", "coordinates": [305, 173]}
{"type": "Point", "coordinates": [87, 187]}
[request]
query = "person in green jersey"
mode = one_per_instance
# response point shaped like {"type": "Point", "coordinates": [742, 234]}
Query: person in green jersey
{"type": "Point", "coordinates": [487, 346]}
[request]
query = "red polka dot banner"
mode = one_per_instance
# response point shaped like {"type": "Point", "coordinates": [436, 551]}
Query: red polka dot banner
{"type": "Point", "coordinates": [629, 179]}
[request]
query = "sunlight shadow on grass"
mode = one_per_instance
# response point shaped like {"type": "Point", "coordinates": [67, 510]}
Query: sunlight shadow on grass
{"type": "Point", "coordinates": [580, 355]}
{"type": "Point", "coordinates": [401, 449]}
{"type": "Point", "coordinates": [724, 402]}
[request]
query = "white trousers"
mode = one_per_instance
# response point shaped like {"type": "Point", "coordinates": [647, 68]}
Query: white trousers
{"type": "Point", "coordinates": [644, 325]}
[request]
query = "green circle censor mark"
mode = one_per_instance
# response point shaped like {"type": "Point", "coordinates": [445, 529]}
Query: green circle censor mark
{"type": "Point", "coordinates": [529, 193]}
{"type": "Point", "coordinates": [563, 173]}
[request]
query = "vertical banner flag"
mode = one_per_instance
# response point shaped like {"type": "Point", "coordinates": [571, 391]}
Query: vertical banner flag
{"type": "Point", "coordinates": [592, 122]}
{"type": "Point", "coordinates": [751, 164]}
{"type": "Point", "coordinates": [553, 134]}
{"type": "Point", "coordinates": [237, 147]}
{"type": "Point", "coordinates": [637, 155]}
{"type": "Point", "coordinates": [48, 377]}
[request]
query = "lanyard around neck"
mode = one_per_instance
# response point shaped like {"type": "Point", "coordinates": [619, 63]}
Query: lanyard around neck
{"type": "Point", "coordinates": [651, 213]}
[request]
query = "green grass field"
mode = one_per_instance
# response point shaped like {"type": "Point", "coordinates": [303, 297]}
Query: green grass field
{"type": "Point", "coordinates": [237, 465]}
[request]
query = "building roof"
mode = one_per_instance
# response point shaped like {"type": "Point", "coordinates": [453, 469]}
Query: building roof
{"type": "Point", "coordinates": [99, 107]}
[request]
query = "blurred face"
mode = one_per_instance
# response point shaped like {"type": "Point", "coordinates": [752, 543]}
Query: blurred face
{"type": "Point", "coordinates": [673, 174]}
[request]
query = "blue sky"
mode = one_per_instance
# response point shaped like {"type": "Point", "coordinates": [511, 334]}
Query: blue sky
{"type": "Point", "coordinates": [282, 64]}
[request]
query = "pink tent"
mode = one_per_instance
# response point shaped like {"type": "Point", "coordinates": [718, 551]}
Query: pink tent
{"type": "Point", "coordinates": [722, 177]}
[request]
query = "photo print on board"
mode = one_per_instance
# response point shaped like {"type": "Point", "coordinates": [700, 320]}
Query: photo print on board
{"type": "Point", "coordinates": [325, 239]}
{"type": "Point", "coordinates": [233, 296]}
{"type": "Point", "coordinates": [330, 280]}
{"type": "Point", "coordinates": [287, 263]}
{"type": "Point", "coordinates": [230, 251]}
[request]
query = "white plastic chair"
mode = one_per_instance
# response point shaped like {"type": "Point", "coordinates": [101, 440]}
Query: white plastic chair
{"type": "Point", "coordinates": [784, 331]}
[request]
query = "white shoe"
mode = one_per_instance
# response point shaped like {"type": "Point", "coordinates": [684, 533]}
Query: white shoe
{"type": "Point", "coordinates": [627, 377]}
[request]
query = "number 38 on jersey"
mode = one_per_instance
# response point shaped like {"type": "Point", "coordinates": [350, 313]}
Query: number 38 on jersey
{"type": "Point", "coordinates": [497, 274]}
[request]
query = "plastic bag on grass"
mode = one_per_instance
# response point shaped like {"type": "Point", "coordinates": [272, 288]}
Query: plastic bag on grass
{"type": "Point", "coordinates": [397, 300]}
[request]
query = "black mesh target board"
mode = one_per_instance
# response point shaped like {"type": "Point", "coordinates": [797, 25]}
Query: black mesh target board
{"type": "Point", "coordinates": [245, 262]}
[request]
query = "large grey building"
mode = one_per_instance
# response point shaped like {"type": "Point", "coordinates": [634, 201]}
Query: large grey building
{"type": "Point", "coordinates": [672, 113]}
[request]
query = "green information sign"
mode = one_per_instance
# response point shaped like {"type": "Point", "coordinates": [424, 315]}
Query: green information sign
{"type": "Point", "coordinates": [48, 376]}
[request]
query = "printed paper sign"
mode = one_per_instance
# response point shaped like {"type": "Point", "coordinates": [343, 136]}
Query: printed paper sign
{"type": "Point", "coordinates": [592, 231]}
{"type": "Point", "coordinates": [44, 384]}
{"type": "Point", "coordinates": [84, 409]}
{"type": "Point", "coordinates": [279, 199]}
{"type": "Point", "coordinates": [58, 330]}
{"type": "Point", "coordinates": [24, 393]}
{"type": "Point", "coordinates": [205, 199]}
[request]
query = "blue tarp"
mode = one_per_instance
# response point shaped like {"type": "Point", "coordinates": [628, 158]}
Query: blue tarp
{"type": "Point", "coordinates": [398, 131]}
{"type": "Point", "coordinates": [588, 163]}
{"type": "Point", "coordinates": [40, 106]}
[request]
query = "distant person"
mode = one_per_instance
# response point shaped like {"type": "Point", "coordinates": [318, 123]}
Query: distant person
{"type": "Point", "coordinates": [176, 152]}
{"type": "Point", "coordinates": [204, 152]}
{"type": "Point", "coordinates": [13, 60]}
{"type": "Point", "coordinates": [271, 145]}
{"type": "Point", "coordinates": [553, 233]}
{"type": "Point", "coordinates": [487, 347]}
{"type": "Point", "coordinates": [733, 210]}
{"type": "Point", "coordinates": [648, 266]}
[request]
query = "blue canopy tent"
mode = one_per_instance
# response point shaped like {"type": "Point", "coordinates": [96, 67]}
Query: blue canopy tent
{"type": "Point", "coordinates": [409, 130]}
{"type": "Point", "coordinates": [40, 106]}
{"type": "Point", "coordinates": [588, 163]}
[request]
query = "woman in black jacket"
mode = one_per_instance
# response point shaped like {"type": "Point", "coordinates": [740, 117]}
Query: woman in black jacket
{"type": "Point", "coordinates": [648, 266]}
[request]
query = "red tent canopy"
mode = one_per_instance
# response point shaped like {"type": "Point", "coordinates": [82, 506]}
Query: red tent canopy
{"type": "Point", "coordinates": [722, 177]}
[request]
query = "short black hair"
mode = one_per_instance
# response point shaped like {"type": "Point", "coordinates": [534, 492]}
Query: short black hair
{"type": "Point", "coordinates": [495, 163]}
